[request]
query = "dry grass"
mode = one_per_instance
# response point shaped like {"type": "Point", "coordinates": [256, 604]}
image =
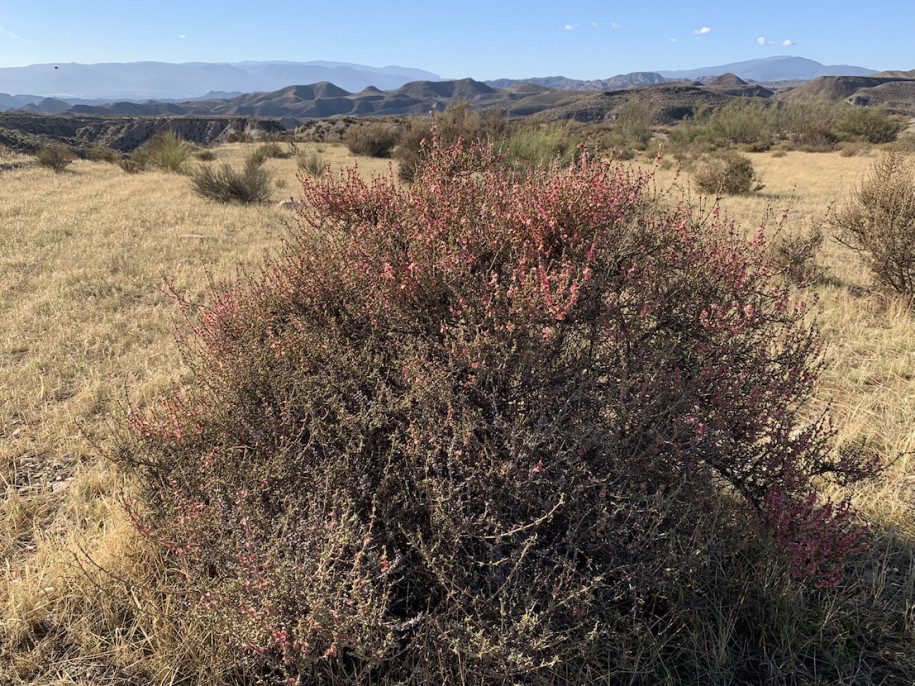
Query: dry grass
{"type": "Point", "coordinates": [85, 322]}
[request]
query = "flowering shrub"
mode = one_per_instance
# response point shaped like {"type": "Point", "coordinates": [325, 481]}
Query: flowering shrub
{"type": "Point", "coordinates": [484, 428]}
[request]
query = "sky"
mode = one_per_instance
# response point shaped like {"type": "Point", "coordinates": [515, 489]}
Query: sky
{"type": "Point", "coordinates": [476, 39]}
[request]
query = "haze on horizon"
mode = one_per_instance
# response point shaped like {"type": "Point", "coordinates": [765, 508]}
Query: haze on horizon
{"type": "Point", "coordinates": [483, 40]}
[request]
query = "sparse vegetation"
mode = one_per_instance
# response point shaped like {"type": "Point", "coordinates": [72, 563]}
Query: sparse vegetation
{"type": "Point", "coordinates": [225, 183]}
{"type": "Point", "coordinates": [55, 156]}
{"type": "Point", "coordinates": [879, 220]}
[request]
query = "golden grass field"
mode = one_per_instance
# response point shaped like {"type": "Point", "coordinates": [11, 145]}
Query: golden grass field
{"type": "Point", "coordinates": [86, 323]}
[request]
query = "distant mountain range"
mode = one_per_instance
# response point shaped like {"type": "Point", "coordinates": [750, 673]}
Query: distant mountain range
{"type": "Point", "coordinates": [99, 84]}
{"type": "Point", "coordinates": [163, 81]}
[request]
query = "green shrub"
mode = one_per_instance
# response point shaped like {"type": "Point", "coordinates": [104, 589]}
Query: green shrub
{"type": "Point", "coordinates": [166, 150]}
{"type": "Point", "coordinates": [633, 124]}
{"type": "Point", "coordinates": [530, 145]}
{"type": "Point", "coordinates": [55, 156]}
{"type": "Point", "coordinates": [726, 173]}
{"type": "Point", "coordinates": [808, 124]}
{"type": "Point", "coordinates": [372, 140]}
{"type": "Point", "coordinates": [869, 124]}
{"type": "Point", "coordinates": [226, 184]}
{"type": "Point", "coordinates": [484, 430]}
{"type": "Point", "coordinates": [878, 221]}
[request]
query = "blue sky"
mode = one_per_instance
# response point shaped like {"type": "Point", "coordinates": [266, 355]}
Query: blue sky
{"type": "Point", "coordinates": [482, 40]}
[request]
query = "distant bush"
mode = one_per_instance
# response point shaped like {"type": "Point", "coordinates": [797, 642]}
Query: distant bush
{"type": "Point", "coordinates": [226, 184]}
{"type": "Point", "coordinates": [726, 173]}
{"type": "Point", "coordinates": [456, 122]}
{"type": "Point", "coordinates": [310, 162]}
{"type": "Point", "coordinates": [166, 150]}
{"type": "Point", "coordinates": [869, 124]}
{"type": "Point", "coordinates": [528, 145]}
{"type": "Point", "coordinates": [878, 221]}
{"type": "Point", "coordinates": [266, 151]}
{"type": "Point", "coordinates": [55, 156]}
{"type": "Point", "coordinates": [484, 430]}
{"type": "Point", "coordinates": [808, 124]}
{"type": "Point", "coordinates": [205, 155]}
{"type": "Point", "coordinates": [102, 153]}
{"type": "Point", "coordinates": [372, 140]}
{"type": "Point", "coordinates": [633, 124]}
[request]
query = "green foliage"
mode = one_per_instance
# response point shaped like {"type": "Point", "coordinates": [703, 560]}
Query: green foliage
{"type": "Point", "coordinates": [491, 430]}
{"type": "Point", "coordinates": [633, 124]}
{"type": "Point", "coordinates": [375, 139]}
{"type": "Point", "coordinates": [55, 156]}
{"type": "Point", "coordinates": [529, 145]}
{"type": "Point", "coordinates": [226, 184]}
{"type": "Point", "coordinates": [168, 151]}
{"type": "Point", "coordinates": [878, 221]}
{"type": "Point", "coordinates": [869, 124]}
{"type": "Point", "coordinates": [808, 124]}
{"type": "Point", "coordinates": [726, 173]}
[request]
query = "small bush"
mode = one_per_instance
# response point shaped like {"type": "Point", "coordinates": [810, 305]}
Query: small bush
{"type": "Point", "coordinates": [102, 153]}
{"type": "Point", "coordinates": [726, 173]}
{"type": "Point", "coordinates": [264, 152]}
{"type": "Point", "coordinates": [372, 140]}
{"type": "Point", "coordinates": [205, 155]}
{"type": "Point", "coordinates": [795, 255]}
{"type": "Point", "coordinates": [311, 163]}
{"type": "Point", "coordinates": [55, 156]}
{"type": "Point", "coordinates": [485, 430]}
{"type": "Point", "coordinates": [226, 184]}
{"type": "Point", "coordinates": [166, 150]}
{"type": "Point", "coordinates": [878, 221]}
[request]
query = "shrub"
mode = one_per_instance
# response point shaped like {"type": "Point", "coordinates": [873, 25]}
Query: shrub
{"type": "Point", "coordinates": [166, 150]}
{"type": "Point", "coordinates": [531, 145]}
{"type": "Point", "coordinates": [878, 221]}
{"type": "Point", "coordinates": [311, 163]}
{"type": "Point", "coordinates": [483, 430]}
{"type": "Point", "coordinates": [446, 128]}
{"type": "Point", "coordinates": [795, 255]}
{"type": "Point", "coordinates": [55, 156]}
{"type": "Point", "coordinates": [373, 140]}
{"type": "Point", "coordinates": [227, 184]}
{"type": "Point", "coordinates": [726, 173]}
{"type": "Point", "coordinates": [205, 155]}
{"type": "Point", "coordinates": [264, 152]}
{"type": "Point", "coordinates": [869, 124]}
{"type": "Point", "coordinates": [102, 153]}
{"type": "Point", "coordinates": [808, 124]}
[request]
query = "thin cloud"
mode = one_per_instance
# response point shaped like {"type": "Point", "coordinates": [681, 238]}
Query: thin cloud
{"type": "Point", "coordinates": [614, 25]}
{"type": "Point", "coordinates": [673, 40]}
{"type": "Point", "coordinates": [787, 42]}
{"type": "Point", "coordinates": [182, 36]}
{"type": "Point", "coordinates": [762, 41]}
{"type": "Point", "coordinates": [570, 27]}
{"type": "Point", "coordinates": [701, 32]}
{"type": "Point", "coordinates": [9, 33]}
